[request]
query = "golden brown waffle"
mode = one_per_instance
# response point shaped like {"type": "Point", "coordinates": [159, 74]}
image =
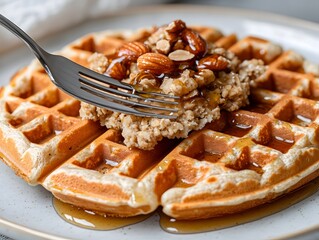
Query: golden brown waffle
{"type": "Point", "coordinates": [244, 159]}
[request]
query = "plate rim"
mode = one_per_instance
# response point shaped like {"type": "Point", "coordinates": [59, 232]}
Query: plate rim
{"type": "Point", "coordinates": [31, 232]}
{"type": "Point", "coordinates": [258, 14]}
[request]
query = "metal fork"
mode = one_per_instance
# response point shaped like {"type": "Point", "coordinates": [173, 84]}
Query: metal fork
{"type": "Point", "coordinates": [97, 89]}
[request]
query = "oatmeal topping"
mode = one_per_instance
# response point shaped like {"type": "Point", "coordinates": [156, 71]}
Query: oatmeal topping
{"type": "Point", "coordinates": [177, 60]}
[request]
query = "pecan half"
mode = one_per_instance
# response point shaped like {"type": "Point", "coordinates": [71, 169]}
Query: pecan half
{"type": "Point", "coordinates": [173, 30]}
{"type": "Point", "coordinates": [214, 62]}
{"type": "Point", "coordinates": [116, 70]}
{"type": "Point", "coordinates": [132, 50]}
{"type": "Point", "coordinates": [195, 43]}
{"type": "Point", "coordinates": [176, 26]}
{"type": "Point", "coordinates": [155, 63]}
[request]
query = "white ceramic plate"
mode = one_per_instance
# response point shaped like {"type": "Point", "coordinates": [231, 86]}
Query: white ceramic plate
{"type": "Point", "coordinates": [26, 212]}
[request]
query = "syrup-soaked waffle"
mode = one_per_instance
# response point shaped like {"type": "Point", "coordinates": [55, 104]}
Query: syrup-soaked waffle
{"type": "Point", "coordinates": [244, 159]}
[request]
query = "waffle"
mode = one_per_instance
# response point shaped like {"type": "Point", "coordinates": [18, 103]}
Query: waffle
{"type": "Point", "coordinates": [243, 159]}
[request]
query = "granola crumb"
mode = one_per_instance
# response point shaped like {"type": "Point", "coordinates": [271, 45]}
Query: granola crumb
{"type": "Point", "coordinates": [98, 62]}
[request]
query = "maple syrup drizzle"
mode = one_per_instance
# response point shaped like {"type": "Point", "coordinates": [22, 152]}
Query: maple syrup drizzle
{"type": "Point", "coordinates": [301, 120]}
{"type": "Point", "coordinates": [281, 144]}
{"type": "Point", "coordinates": [91, 220]}
{"type": "Point", "coordinates": [237, 129]}
{"type": "Point", "coordinates": [209, 156]}
{"type": "Point", "coordinates": [172, 225]}
{"type": "Point", "coordinates": [261, 108]}
{"type": "Point", "coordinates": [106, 165]}
{"type": "Point", "coordinates": [88, 219]}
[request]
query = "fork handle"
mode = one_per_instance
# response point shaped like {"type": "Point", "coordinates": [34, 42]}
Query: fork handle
{"type": "Point", "coordinates": [38, 51]}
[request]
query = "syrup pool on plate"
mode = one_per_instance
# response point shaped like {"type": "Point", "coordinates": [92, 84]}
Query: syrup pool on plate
{"type": "Point", "coordinates": [88, 219]}
{"type": "Point", "coordinates": [172, 225]}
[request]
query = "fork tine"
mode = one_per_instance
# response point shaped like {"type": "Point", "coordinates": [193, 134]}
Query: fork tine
{"type": "Point", "coordinates": [62, 71]}
{"type": "Point", "coordinates": [157, 94]}
{"type": "Point", "coordinates": [108, 80]}
{"type": "Point", "coordinates": [103, 78]}
{"type": "Point", "coordinates": [124, 101]}
{"type": "Point", "coordinates": [121, 93]}
{"type": "Point", "coordinates": [96, 100]}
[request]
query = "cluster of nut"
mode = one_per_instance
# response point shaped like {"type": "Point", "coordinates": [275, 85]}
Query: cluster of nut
{"type": "Point", "coordinates": [128, 53]}
{"type": "Point", "coordinates": [169, 50]}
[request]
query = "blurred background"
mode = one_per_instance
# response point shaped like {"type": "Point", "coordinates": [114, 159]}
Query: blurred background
{"type": "Point", "coordinates": [30, 14]}
{"type": "Point", "coordinates": [306, 9]}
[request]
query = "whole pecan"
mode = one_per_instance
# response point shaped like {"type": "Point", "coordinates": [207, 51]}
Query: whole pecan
{"type": "Point", "coordinates": [195, 43]}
